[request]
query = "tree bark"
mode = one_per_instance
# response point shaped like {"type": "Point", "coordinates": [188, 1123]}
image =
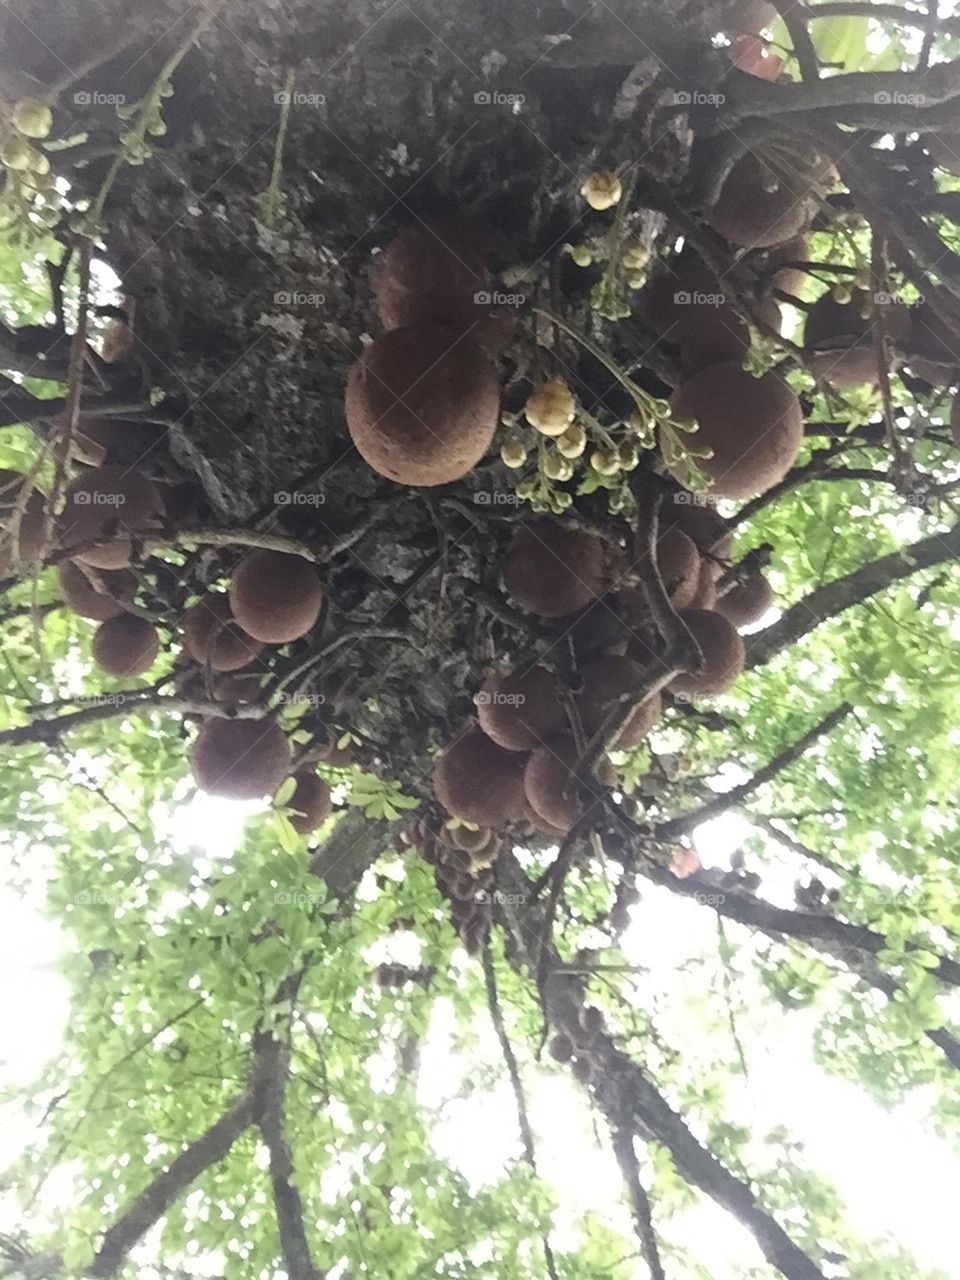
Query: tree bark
{"type": "Point", "coordinates": [156, 1198]}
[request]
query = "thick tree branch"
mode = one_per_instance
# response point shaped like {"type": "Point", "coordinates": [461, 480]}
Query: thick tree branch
{"type": "Point", "coordinates": [352, 846]}
{"type": "Point", "coordinates": [796, 847]}
{"type": "Point", "coordinates": [253, 538]}
{"type": "Point", "coordinates": [755, 97]}
{"type": "Point", "coordinates": [816, 469]}
{"type": "Point", "coordinates": [834, 598]}
{"type": "Point", "coordinates": [725, 800]}
{"type": "Point", "coordinates": [891, 211]}
{"type": "Point", "coordinates": [341, 861]}
{"type": "Point", "coordinates": [156, 1198]}
{"type": "Point", "coordinates": [824, 932]}
{"type": "Point", "coordinates": [109, 706]}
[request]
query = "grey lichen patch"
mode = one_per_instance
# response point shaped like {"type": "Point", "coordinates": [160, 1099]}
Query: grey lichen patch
{"type": "Point", "coordinates": [283, 324]}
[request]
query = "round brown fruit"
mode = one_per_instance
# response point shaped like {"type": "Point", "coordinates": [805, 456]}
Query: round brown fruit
{"type": "Point", "coordinates": [549, 784]}
{"type": "Point", "coordinates": [934, 348]}
{"type": "Point", "coordinates": [553, 570]}
{"type": "Point", "coordinates": [561, 1047]}
{"type": "Point", "coordinates": [605, 683]}
{"type": "Point", "coordinates": [472, 840]}
{"type": "Point", "coordinates": [240, 759]}
{"type": "Point", "coordinates": [749, 17]}
{"type": "Point", "coordinates": [125, 645]}
{"type": "Point", "coordinates": [310, 802]}
{"type": "Point", "coordinates": [591, 1019]}
{"type": "Point", "coordinates": [667, 300]}
{"type": "Point", "coordinates": [753, 425]}
{"type": "Point", "coordinates": [601, 630]}
{"type": "Point", "coordinates": [583, 1070]}
{"type": "Point", "coordinates": [29, 529]}
{"type": "Point", "coordinates": [701, 521]}
{"type": "Point", "coordinates": [679, 563]}
{"type": "Point", "coordinates": [337, 757]}
{"type": "Point", "coordinates": [520, 710]}
{"type": "Point", "coordinates": [238, 689]}
{"type": "Point", "coordinates": [438, 275]}
{"type": "Point", "coordinates": [103, 508]}
{"type": "Point", "coordinates": [537, 824]}
{"type": "Point", "coordinates": [747, 602]}
{"type": "Point", "coordinates": [275, 597]}
{"type": "Point", "coordinates": [724, 653]}
{"type": "Point", "coordinates": [182, 505]}
{"type": "Point", "coordinates": [210, 635]}
{"type": "Point", "coordinates": [479, 781]}
{"type": "Point", "coordinates": [422, 405]}
{"type": "Point", "coordinates": [710, 334]}
{"type": "Point", "coordinates": [99, 440]}
{"type": "Point", "coordinates": [83, 598]}
{"type": "Point", "coordinates": [748, 214]}
{"type": "Point", "coordinates": [705, 596]}
{"type": "Point", "coordinates": [782, 276]}
{"type": "Point", "coordinates": [839, 340]}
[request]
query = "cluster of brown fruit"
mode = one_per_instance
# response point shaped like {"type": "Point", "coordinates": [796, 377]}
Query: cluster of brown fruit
{"type": "Point", "coordinates": [768, 202]}
{"type": "Point", "coordinates": [771, 197]}
{"type": "Point", "coordinates": [515, 768]}
{"type": "Point", "coordinates": [462, 857]}
{"type": "Point", "coordinates": [840, 337]}
{"type": "Point", "coordinates": [577, 1050]}
{"type": "Point", "coordinates": [423, 401]}
{"type": "Point", "coordinates": [273, 598]}
{"type": "Point", "coordinates": [749, 428]}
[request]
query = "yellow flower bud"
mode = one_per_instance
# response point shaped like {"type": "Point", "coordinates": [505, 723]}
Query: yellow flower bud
{"type": "Point", "coordinates": [17, 154]}
{"type": "Point", "coordinates": [602, 190]}
{"type": "Point", "coordinates": [573, 441]}
{"type": "Point", "coordinates": [556, 468]}
{"type": "Point", "coordinates": [550, 408]}
{"type": "Point", "coordinates": [513, 454]}
{"type": "Point", "coordinates": [636, 257]}
{"type": "Point", "coordinates": [629, 457]}
{"type": "Point", "coordinates": [32, 118]}
{"type": "Point", "coordinates": [605, 462]}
